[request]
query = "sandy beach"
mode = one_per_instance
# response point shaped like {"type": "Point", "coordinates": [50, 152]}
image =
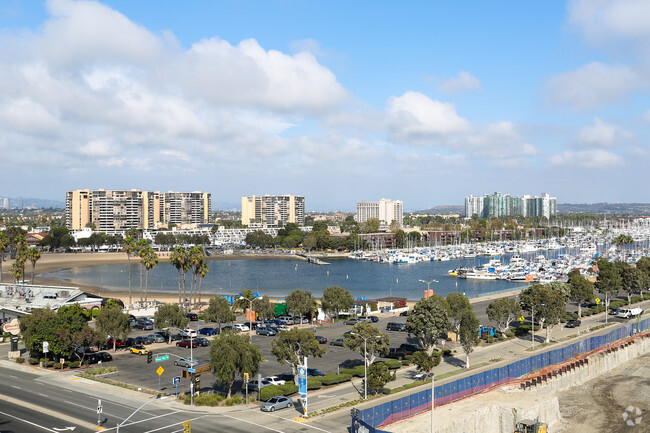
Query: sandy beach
{"type": "Point", "coordinates": [62, 261]}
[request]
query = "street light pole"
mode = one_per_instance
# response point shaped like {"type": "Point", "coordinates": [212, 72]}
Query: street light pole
{"type": "Point", "coordinates": [365, 361]}
{"type": "Point", "coordinates": [250, 317]}
{"type": "Point", "coordinates": [428, 283]}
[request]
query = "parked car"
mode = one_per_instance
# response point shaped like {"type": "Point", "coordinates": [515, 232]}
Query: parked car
{"type": "Point", "coordinates": [284, 320]}
{"type": "Point", "coordinates": [572, 323]}
{"type": "Point", "coordinates": [139, 349]}
{"type": "Point", "coordinates": [187, 362]}
{"type": "Point", "coordinates": [189, 333]}
{"type": "Point", "coordinates": [353, 321]}
{"type": "Point", "coordinates": [187, 343]}
{"type": "Point", "coordinates": [208, 331]}
{"type": "Point", "coordinates": [404, 313]}
{"type": "Point", "coordinates": [337, 342]}
{"type": "Point", "coordinates": [241, 327]}
{"type": "Point", "coordinates": [263, 330]}
{"type": "Point", "coordinates": [192, 316]}
{"type": "Point", "coordinates": [128, 342]}
{"type": "Point", "coordinates": [321, 339]}
{"type": "Point", "coordinates": [287, 377]}
{"type": "Point", "coordinates": [202, 341]}
{"type": "Point", "coordinates": [615, 311]}
{"type": "Point", "coordinates": [255, 386]}
{"type": "Point", "coordinates": [314, 372]}
{"type": "Point", "coordinates": [157, 338]}
{"type": "Point", "coordinates": [166, 333]}
{"type": "Point", "coordinates": [282, 328]}
{"type": "Point", "coordinates": [95, 357]}
{"type": "Point", "coordinates": [396, 326]}
{"type": "Point", "coordinates": [396, 353]}
{"type": "Point", "coordinates": [275, 380]}
{"type": "Point", "coordinates": [230, 328]}
{"type": "Point", "coordinates": [369, 318]}
{"type": "Point", "coordinates": [144, 323]}
{"type": "Point", "coordinates": [118, 343]}
{"type": "Point", "coordinates": [410, 348]}
{"type": "Point", "coordinates": [144, 339]}
{"type": "Point", "coordinates": [270, 323]}
{"type": "Point", "coordinates": [275, 403]}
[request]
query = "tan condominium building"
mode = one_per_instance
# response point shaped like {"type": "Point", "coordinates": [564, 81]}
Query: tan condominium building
{"type": "Point", "coordinates": [273, 210]}
{"type": "Point", "coordinates": [119, 210]}
{"type": "Point", "coordinates": [385, 210]}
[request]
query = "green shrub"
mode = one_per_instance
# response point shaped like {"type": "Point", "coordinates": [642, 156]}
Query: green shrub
{"type": "Point", "coordinates": [32, 361]}
{"type": "Point", "coordinates": [489, 339]}
{"type": "Point", "coordinates": [636, 299]}
{"type": "Point", "coordinates": [20, 360]}
{"type": "Point", "coordinates": [313, 383]}
{"type": "Point", "coordinates": [510, 334]}
{"type": "Point", "coordinates": [409, 357]}
{"type": "Point", "coordinates": [270, 391]}
{"type": "Point", "coordinates": [208, 399]}
{"type": "Point", "coordinates": [58, 365]}
{"type": "Point", "coordinates": [74, 364]}
{"type": "Point", "coordinates": [333, 378]}
{"type": "Point", "coordinates": [522, 330]}
{"type": "Point", "coordinates": [646, 296]}
{"type": "Point", "coordinates": [393, 364]}
{"type": "Point", "coordinates": [446, 352]}
{"type": "Point", "coordinates": [617, 304]}
{"type": "Point", "coordinates": [406, 362]}
{"type": "Point", "coordinates": [50, 364]}
{"type": "Point", "coordinates": [230, 402]}
{"type": "Point", "coordinates": [236, 399]}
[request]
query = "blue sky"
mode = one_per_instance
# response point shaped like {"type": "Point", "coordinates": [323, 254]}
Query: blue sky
{"type": "Point", "coordinates": [339, 101]}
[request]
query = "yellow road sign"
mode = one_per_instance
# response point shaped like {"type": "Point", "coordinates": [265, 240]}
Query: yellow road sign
{"type": "Point", "coordinates": [521, 319]}
{"type": "Point", "coordinates": [160, 371]}
{"type": "Point", "coordinates": [597, 301]}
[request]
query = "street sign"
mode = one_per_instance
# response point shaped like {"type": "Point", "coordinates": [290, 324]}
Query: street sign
{"type": "Point", "coordinates": [160, 371]}
{"type": "Point", "coordinates": [597, 301]}
{"type": "Point", "coordinates": [176, 380]}
{"type": "Point", "coordinates": [162, 358]}
{"type": "Point", "coordinates": [191, 370]}
{"type": "Point", "coordinates": [521, 319]}
{"type": "Point", "coordinates": [12, 327]}
{"type": "Point", "coordinates": [302, 382]}
{"type": "Point", "coordinates": [46, 346]}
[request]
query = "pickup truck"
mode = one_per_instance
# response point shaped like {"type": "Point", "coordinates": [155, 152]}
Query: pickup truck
{"type": "Point", "coordinates": [626, 313]}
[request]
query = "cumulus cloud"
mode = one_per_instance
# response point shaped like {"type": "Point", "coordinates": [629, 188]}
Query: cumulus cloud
{"type": "Point", "coordinates": [604, 21]}
{"type": "Point", "coordinates": [593, 85]}
{"type": "Point", "coordinates": [464, 82]}
{"type": "Point", "coordinates": [595, 159]}
{"type": "Point", "coordinates": [418, 119]}
{"type": "Point", "coordinates": [602, 134]}
{"type": "Point", "coordinates": [498, 141]}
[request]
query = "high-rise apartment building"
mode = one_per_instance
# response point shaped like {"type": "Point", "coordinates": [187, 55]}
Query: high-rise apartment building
{"type": "Point", "coordinates": [498, 205]}
{"type": "Point", "coordinates": [273, 210]}
{"type": "Point", "coordinates": [119, 210]}
{"type": "Point", "coordinates": [385, 210]}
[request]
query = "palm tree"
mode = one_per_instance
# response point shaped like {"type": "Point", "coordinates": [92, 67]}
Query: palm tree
{"type": "Point", "coordinates": [196, 257]}
{"type": "Point", "coordinates": [33, 254]}
{"type": "Point", "coordinates": [129, 247]}
{"type": "Point", "coordinates": [141, 251]}
{"type": "Point", "coordinates": [203, 271]}
{"type": "Point", "coordinates": [21, 247]}
{"type": "Point", "coordinates": [150, 259]}
{"type": "Point", "coordinates": [178, 259]}
{"type": "Point", "coordinates": [17, 269]}
{"type": "Point", "coordinates": [4, 244]}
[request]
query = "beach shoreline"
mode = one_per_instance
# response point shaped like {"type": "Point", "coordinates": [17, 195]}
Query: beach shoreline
{"type": "Point", "coordinates": [66, 261]}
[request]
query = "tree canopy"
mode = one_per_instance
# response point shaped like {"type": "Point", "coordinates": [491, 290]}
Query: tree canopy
{"type": "Point", "coordinates": [231, 355]}
{"type": "Point", "coordinates": [368, 341]}
{"type": "Point", "coordinates": [468, 335]}
{"type": "Point", "coordinates": [428, 320]}
{"type": "Point", "coordinates": [219, 311]}
{"type": "Point", "coordinates": [301, 302]}
{"type": "Point", "coordinates": [548, 305]}
{"type": "Point", "coordinates": [170, 316]}
{"type": "Point", "coordinates": [503, 311]}
{"type": "Point", "coordinates": [291, 347]}
{"type": "Point", "coordinates": [112, 321]}
{"type": "Point", "coordinates": [336, 299]}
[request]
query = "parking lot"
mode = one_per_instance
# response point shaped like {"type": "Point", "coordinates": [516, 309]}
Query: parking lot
{"type": "Point", "coordinates": [135, 370]}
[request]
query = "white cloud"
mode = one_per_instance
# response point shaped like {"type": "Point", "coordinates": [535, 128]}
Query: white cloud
{"type": "Point", "coordinates": [593, 85]}
{"type": "Point", "coordinates": [98, 149]}
{"type": "Point", "coordinates": [594, 159]}
{"type": "Point", "coordinates": [602, 134]}
{"type": "Point", "coordinates": [605, 21]}
{"type": "Point", "coordinates": [177, 154]}
{"type": "Point", "coordinates": [418, 119]}
{"type": "Point", "coordinates": [464, 82]}
{"type": "Point", "coordinates": [498, 142]}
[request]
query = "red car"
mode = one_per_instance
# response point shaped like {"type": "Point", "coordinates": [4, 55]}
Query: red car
{"type": "Point", "coordinates": [118, 343]}
{"type": "Point", "coordinates": [187, 343]}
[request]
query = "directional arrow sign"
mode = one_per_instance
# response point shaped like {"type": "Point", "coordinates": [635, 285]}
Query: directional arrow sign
{"type": "Point", "coordinates": [64, 428]}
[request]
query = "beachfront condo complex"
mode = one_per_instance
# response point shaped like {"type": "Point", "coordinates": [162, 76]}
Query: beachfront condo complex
{"type": "Point", "coordinates": [272, 210]}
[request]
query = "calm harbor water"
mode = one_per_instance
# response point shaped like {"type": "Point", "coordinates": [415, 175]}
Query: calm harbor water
{"type": "Point", "coordinates": [277, 278]}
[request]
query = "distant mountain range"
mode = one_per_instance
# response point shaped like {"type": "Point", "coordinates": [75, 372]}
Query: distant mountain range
{"type": "Point", "coordinates": [567, 208]}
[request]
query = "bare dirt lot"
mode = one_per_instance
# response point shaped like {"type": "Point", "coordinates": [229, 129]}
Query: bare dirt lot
{"type": "Point", "coordinates": [616, 402]}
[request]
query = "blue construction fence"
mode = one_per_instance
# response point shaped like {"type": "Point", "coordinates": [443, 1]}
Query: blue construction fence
{"type": "Point", "coordinates": [405, 407]}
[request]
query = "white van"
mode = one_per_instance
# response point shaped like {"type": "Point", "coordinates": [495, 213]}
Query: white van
{"type": "Point", "coordinates": [626, 313]}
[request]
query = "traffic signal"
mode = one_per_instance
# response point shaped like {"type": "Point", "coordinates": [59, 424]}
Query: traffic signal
{"type": "Point", "coordinates": [149, 357]}
{"type": "Point", "coordinates": [187, 427]}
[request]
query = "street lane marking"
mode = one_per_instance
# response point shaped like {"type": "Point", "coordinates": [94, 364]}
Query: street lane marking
{"type": "Point", "coordinates": [39, 409]}
{"type": "Point", "coordinates": [14, 386]}
{"type": "Point", "coordinates": [302, 423]}
{"type": "Point", "coordinates": [27, 422]}
{"type": "Point", "coordinates": [177, 423]}
{"type": "Point", "coordinates": [251, 422]}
